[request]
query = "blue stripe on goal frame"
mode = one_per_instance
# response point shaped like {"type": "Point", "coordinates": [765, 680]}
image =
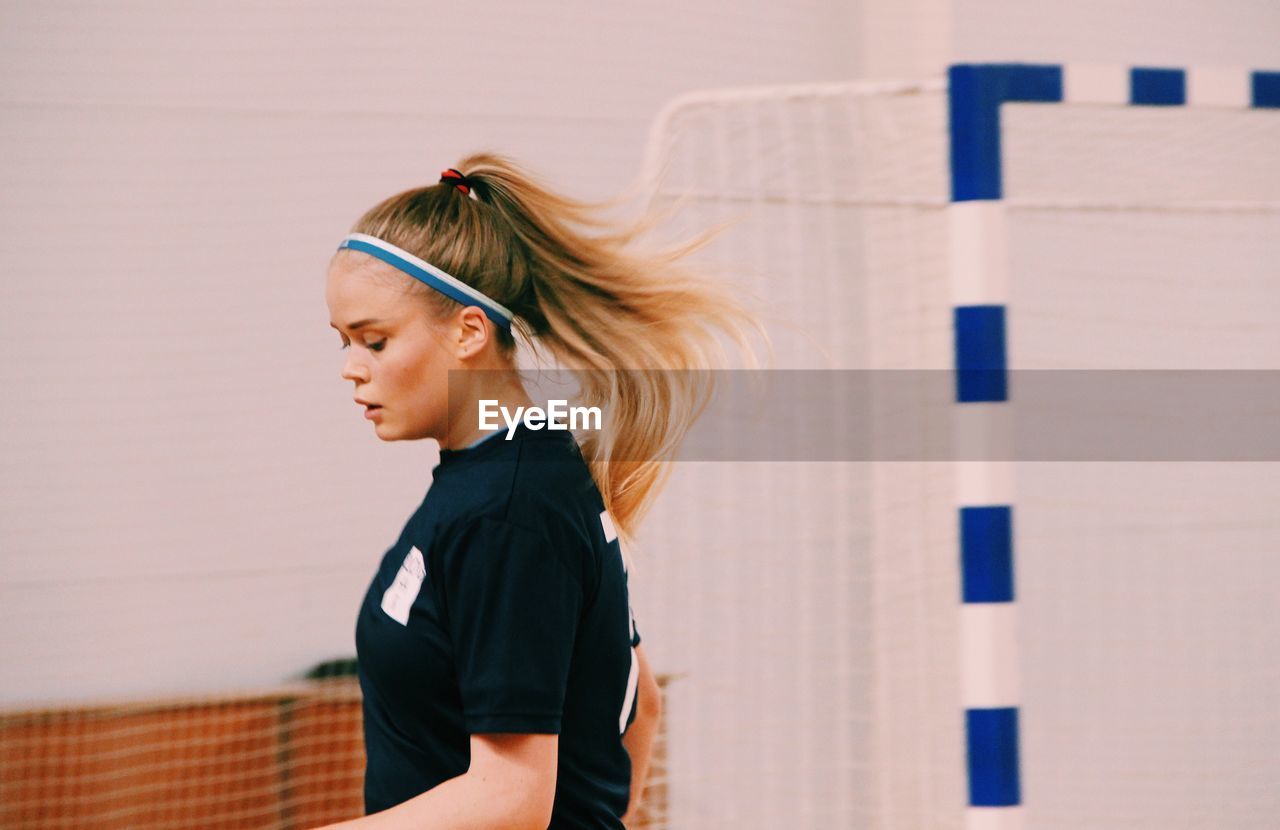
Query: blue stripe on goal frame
{"type": "Point", "coordinates": [1265, 89]}
{"type": "Point", "coordinates": [993, 757]}
{"type": "Point", "coordinates": [1158, 87]}
{"type": "Point", "coordinates": [974, 94]}
{"type": "Point", "coordinates": [981, 366]}
{"type": "Point", "coordinates": [986, 553]}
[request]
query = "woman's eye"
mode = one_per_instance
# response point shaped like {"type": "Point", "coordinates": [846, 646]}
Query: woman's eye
{"type": "Point", "coordinates": [377, 347]}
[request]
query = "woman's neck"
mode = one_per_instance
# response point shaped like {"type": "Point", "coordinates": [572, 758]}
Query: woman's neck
{"type": "Point", "coordinates": [465, 429]}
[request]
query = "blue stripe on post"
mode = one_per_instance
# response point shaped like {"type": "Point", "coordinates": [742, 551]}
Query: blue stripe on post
{"type": "Point", "coordinates": [1266, 89]}
{"type": "Point", "coordinates": [974, 95]}
{"type": "Point", "coordinates": [1158, 87]}
{"type": "Point", "coordinates": [986, 553]}
{"type": "Point", "coordinates": [1025, 82]}
{"type": "Point", "coordinates": [974, 109]}
{"type": "Point", "coordinates": [993, 757]}
{"type": "Point", "coordinates": [981, 370]}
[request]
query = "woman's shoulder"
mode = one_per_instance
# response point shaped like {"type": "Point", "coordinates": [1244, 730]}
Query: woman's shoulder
{"type": "Point", "coordinates": [546, 502]}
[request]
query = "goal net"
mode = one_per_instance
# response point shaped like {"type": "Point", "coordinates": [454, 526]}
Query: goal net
{"type": "Point", "coordinates": [808, 611]}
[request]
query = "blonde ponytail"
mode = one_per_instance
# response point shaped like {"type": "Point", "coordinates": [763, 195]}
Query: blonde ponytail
{"type": "Point", "coordinates": [638, 329]}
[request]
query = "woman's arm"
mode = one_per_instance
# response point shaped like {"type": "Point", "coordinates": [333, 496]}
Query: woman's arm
{"type": "Point", "coordinates": [511, 784]}
{"type": "Point", "coordinates": [639, 737]}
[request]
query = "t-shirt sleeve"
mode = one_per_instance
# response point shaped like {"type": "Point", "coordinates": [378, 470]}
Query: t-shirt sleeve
{"type": "Point", "coordinates": [512, 607]}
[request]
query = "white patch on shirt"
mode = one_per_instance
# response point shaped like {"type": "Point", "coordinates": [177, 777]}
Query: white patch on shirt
{"type": "Point", "coordinates": [633, 683]}
{"type": "Point", "coordinates": [606, 521]}
{"type": "Point", "coordinates": [399, 598]}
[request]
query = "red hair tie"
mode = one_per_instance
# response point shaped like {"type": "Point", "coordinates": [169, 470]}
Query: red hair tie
{"type": "Point", "coordinates": [453, 175]}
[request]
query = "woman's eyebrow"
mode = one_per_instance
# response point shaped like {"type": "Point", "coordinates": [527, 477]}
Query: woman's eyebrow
{"type": "Point", "coordinates": [357, 324]}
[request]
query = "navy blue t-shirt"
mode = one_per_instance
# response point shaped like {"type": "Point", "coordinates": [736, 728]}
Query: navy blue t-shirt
{"type": "Point", "coordinates": [502, 607]}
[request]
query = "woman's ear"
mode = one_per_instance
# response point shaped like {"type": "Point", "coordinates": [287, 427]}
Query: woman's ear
{"type": "Point", "coordinates": [473, 331]}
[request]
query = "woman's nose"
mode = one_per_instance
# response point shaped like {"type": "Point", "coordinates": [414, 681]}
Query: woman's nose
{"type": "Point", "coordinates": [352, 369]}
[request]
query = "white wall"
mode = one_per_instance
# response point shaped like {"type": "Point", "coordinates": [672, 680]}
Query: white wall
{"type": "Point", "coordinates": [189, 499]}
{"type": "Point", "coordinates": [921, 37]}
{"type": "Point", "coordinates": [1243, 33]}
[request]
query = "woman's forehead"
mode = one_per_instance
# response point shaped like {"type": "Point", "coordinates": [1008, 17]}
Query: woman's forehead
{"type": "Point", "coordinates": [355, 290]}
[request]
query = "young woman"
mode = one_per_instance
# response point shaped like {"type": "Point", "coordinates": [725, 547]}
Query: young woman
{"type": "Point", "coordinates": [503, 678]}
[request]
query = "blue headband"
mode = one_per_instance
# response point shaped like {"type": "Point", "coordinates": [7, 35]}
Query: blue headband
{"type": "Point", "coordinates": [446, 284]}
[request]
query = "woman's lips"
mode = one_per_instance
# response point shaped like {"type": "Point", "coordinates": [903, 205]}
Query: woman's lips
{"type": "Point", "coordinates": [372, 412]}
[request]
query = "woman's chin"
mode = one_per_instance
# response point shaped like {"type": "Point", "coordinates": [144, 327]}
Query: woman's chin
{"type": "Point", "coordinates": [380, 428]}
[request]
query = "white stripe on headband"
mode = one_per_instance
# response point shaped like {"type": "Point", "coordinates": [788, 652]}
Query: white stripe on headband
{"type": "Point", "coordinates": [445, 283]}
